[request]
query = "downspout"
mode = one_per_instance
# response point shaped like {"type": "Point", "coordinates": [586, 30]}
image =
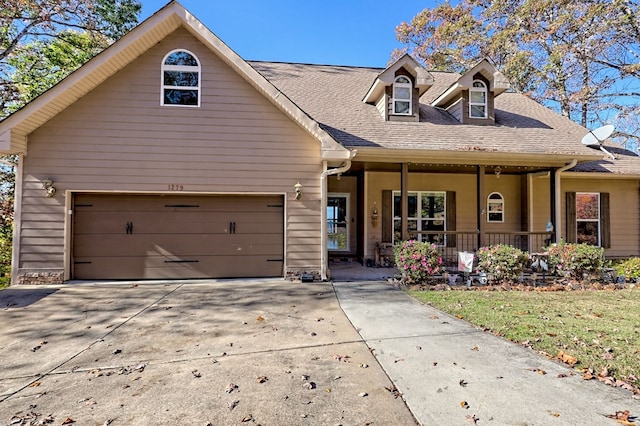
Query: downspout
{"type": "Point", "coordinates": [323, 210]}
{"type": "Point", "coordinates": [558, 221]}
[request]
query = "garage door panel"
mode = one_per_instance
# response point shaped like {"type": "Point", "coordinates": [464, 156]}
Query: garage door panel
{"type": "Point", "coordinates": [201, 244]}
{"type": "Point", "coordinates": [159, 267]}
{"type": "Point", "coordinates": [93, 222]}
{"type": "Point", "coordinates": [177, 236]}
{"type": "Point", "coordinates": [156, 203]}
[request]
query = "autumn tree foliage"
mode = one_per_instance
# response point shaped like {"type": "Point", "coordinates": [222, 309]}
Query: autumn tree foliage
{"type": "Point", "coordinates": [580, 57]}
{"type": "Point", "coordinates": [41, 42]}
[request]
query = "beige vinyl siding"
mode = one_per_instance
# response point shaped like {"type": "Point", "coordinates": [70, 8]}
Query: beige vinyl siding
{"type": "Point", "coordinates": [119, 138]}
{"type": "Point", "coordinates": [624, 213]}
{"type": "Point", "coordinates": [455, 110]}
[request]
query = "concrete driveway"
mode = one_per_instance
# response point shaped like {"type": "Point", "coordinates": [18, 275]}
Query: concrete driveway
{"type": "Point", "coordinates": [229, 352]}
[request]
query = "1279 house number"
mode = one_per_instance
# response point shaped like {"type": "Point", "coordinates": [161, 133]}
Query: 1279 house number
{"type": "Point", "coordinates": [175, 187]}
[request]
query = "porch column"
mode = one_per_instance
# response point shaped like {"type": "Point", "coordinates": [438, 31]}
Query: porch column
{"type": "Point", "coordinates": [404, 200]}
{"type": "Point", "coordinates": [552, 203]}
{"type": "Point", "coordinates": [480, 208]}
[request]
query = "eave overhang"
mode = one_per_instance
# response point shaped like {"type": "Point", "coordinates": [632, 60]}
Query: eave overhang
{"type": "Point", "coordinates": [468, 157]}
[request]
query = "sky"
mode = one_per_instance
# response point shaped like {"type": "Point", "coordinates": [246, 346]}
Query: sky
{"type": "Point", "coordinates": [328, 32]}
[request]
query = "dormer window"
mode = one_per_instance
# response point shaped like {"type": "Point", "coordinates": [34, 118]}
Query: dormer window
{"type": "Point", "coordinates": [478, 100]}
{"type": "Point", "coordinates": [180, 79]}
{"type": "Point", "coordinates": [402, 89]}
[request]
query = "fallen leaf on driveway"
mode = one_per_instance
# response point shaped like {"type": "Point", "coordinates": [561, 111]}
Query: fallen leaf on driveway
{"type": "Point", "coordinates": [246, 419]}
{"type": "Point", "coordinates": [309, 385]}
{"type": "Point", "coordinates": [230, 388]}
{"type": "Point", "coordinates": [464, 404]}
{"type": "Point", "coordinates": [36, 348]}
{"type": "Point", "coordinates": [394, 391]}
{"type": "Point", "coordinates": [339, 357]}
{"type": "Point", "coordinates": [475, 348]}
{"type": "Point", "coordinates": [34, 384]}
{"type": "Point", "coordinates": [262, 379]}
{"type": "Point", "coordinates": [196, 374]}
{"type": "Point", "coordinates": [233, 404]}
{"type": "Point", "coordinates": [622, 417]}
{"type": "Point", "coordinates": [398, 360]}
{"type": "Point", "coordinates": [68, 421]}
{"type": "Point", "coordinates": [260, 318]}
{"type": "Point", "coordinates": [471, 418]}
{"type": "Point", "coordinates": [463, 383]}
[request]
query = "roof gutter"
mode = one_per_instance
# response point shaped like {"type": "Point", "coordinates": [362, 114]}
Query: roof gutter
{"type": "Point", "coordinates": [323, 210]}
{"type": "Point", "coordinates": [558, 223]}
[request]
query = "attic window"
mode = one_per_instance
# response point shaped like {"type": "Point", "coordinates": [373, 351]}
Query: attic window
{"type": "Point", "coordinates": [180, 79]}
{"type": "Point", "coordinates": [402, 89]}
{"type": "Point", "coordinates": [478, 100]}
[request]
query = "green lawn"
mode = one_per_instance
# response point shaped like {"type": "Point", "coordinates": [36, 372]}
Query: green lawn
{"type": "Point", "coordinates": [599, 328]}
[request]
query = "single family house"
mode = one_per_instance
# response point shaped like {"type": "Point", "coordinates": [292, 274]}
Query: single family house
{"type": "Point", "coordinates": [168, 156]}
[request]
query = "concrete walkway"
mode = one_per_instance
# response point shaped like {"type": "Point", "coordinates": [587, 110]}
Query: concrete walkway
{"type": "Point", "coordinates": [451, 373]}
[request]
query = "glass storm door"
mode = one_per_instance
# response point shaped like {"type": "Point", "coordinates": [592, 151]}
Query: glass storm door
{"type": "Point", "coordinates": [337, 223]}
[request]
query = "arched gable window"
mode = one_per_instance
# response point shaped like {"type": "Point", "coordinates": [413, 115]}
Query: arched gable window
{"type": "Point", "coordinates": [180, 79]}
{"type": "Point", "coordinates": [478, 100]}
{"type": "Point", "coordinates": [402, 89]}
{"type": "Point", "coordinates": [495, 207]}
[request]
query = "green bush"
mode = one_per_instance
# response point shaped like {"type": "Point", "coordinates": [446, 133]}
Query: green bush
{"type": "Point", "coordinates": [575, 260]}
{"type": "Point", "coordinates": [630, 268]}
{"type": "Point", "coordinates": [417, 261]}
{"type": "Point", "coordinates": [501, 261]}
{"type": "Point", "coordinates": [5, 261]}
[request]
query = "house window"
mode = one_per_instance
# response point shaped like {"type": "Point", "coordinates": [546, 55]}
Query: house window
{"type": "Point", "coordinates": [427, 212]}
{"type": "Point", "coordinates": [478, 100]}
{"type": "Point", "coordinates": [588, 218]}
{"type": "Point", "coordinates": [180, 79]}
{"type": "Point", "coordinates": [495, 207]}
{"type": "Point", "coordinates": [402, 89]}
{"type": "Point", "coordinates": [337, 222]}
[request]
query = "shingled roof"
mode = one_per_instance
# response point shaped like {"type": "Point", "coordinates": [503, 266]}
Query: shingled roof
{"type": "Point", "coordinates": [332, 95]}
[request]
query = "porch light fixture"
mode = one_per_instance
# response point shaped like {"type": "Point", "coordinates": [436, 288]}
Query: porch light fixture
{"type": "Point", "coordinates": [298, 189]}
{"type": "Point", "coordinates": [374, 215]}
{"type": "Point", "coordinates": [497, 171]}
{"type": "Point", "coordinates": [47, 185]}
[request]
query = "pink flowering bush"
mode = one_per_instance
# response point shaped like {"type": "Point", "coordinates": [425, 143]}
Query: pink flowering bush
{"type": "Point", "coordinates": [575, 260]}
{"type": "Point", "coordinates": [417, 261]}
{"type": "Point", "coordinates": [502, 261]}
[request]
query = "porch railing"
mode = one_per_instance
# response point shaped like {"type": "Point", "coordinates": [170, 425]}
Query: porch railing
{"type": "Point", "coordinates": [449, 243]}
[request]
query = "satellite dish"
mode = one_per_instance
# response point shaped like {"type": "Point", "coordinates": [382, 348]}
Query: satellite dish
{"type": "Point", "coordinates": [596, 138]}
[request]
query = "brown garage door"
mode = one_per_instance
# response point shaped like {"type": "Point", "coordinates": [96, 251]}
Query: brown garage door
{"type": "Point", "coordinates": [155, 236]}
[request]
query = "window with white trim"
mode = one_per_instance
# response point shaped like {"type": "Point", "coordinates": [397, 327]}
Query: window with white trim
{"type": "Point", "coordinates": [402, 89]}
{"type": "Point", "coordinates": [180, 79]}
{"type": "Point", "coordinates": [478, 100]}
{"type": "Point", "coordinates": [495, 207]}
{"type": "Point", "coordinates": [588, 217]}
{"type": "Point", "coordinates": [427, 212]}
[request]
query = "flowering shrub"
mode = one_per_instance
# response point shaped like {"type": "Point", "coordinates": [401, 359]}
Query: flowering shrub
{"type": "Point", "coordinates": [502, 261]}
{"type": "Point", "coordinates": [630, 268]}
{"type": "Point", "coordinates": [575, 260]}
{"type": "Point", "coordinates": [417, 261]}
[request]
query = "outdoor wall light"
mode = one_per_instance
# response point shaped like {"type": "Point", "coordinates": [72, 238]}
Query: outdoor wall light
{"type": "Point", "coordinates": [298, 188]}
{"type": "Point", "coordinates": [47, 185]}
{"type": "Point", "coordinates": [374, 215]}
{"type": "Point", "coordinates": [497, 171]}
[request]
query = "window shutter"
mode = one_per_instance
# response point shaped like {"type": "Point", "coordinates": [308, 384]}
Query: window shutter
{"type": "Point", "coordinates": [605, 225]}
{"type": "Point", "coordinates": [451, 218]}
{"type": "Point", "coordinates": [572, 231]}
{"type": "Point", "coordinates": [387, 216]}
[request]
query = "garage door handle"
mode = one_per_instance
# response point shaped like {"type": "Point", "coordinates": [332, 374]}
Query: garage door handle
{"type": "Point", "coordinates": [129, 228]}
{"type": "Point", "coordinates": [232, 227]}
